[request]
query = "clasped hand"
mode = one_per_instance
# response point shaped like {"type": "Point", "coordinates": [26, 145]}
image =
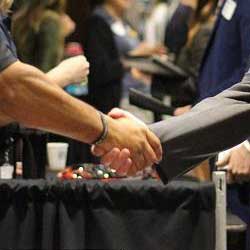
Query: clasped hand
{"type": "Point", "coordinates": [237, 163]}
{"type": "Point", "coordinates": [130, 145]}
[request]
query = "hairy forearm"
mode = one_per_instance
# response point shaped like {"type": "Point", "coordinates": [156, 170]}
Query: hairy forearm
{"type": "Point", "coordinates": [31, 100]}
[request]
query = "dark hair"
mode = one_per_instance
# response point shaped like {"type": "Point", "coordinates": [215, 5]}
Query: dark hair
{"type": "Point", "coordinates": [57, 5]}
{"type": "Point", "coordinates": [25, 20]}
{"type": "Point", "coordinates": [94, 3]}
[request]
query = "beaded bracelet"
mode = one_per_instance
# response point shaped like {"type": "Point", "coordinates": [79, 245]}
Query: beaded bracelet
{"type": "Point", "coordinates": [105, 130]}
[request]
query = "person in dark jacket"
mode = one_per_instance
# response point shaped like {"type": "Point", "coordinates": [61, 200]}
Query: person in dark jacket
{"type": "Point", "coordinates": [107, 38]}
{"type": "Point", "coordinates": [105, 87]}
{"type": "Point", "coordinates": [226, 57]}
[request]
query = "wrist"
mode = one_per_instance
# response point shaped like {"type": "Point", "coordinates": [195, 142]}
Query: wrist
{"type": "Point", "coordinates": [59, 75]}
{"type": "Point", "coordinates": [112, 136]}
{"type": "Point", "coordinates": [105, 130]}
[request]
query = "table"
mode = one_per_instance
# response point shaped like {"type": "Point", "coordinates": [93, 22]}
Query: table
{"type": "Point", "coordinates": [129, 215]}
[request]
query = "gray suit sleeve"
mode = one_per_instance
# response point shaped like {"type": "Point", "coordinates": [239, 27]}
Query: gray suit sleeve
{"type": "Point", "coordinates": [213, 125]}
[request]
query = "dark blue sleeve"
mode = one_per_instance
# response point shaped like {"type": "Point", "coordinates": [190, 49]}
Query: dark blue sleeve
{"type": "Point", "coordinates": [177, 29]}
{"type": "Point", "coordinates": [243, 24]}
{"type": "Point", "coordinates": [245, 35]}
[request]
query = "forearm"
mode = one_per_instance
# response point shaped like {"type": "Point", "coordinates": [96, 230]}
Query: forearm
{"type": "Point", "coordinates": [215, 124]}
{"type": "Point", "coordinates": [5, 119]}
{"type": "Point", "coordinates": [71, 70]}
{"type": "Point", "coordinates": [58, 77]}
{"type": "Point", "coordinates": [36, 103]}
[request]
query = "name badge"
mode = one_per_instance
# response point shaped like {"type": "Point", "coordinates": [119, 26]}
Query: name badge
{"type": "Point", "coordinates": [229, 9]}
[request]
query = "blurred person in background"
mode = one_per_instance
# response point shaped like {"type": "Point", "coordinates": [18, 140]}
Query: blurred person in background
{"type": "Point", "coordinates": [226, 58]}
{"type": "Point", "coordinates": [176, 33]}
{"type": "Point", "coordinates": [39, 29]}
{"type": "Point", "coordinates": [191, 55]}
{"type": "Point", "coordinates": [224, 64]}
{"type": "Point", "coordinates": [199, 27]}
{"type": "Point", "coordinates": [107, 38]}
{"type": "Point", "coordinates": [32, 98]}
{"type": "Point", "coordinates": [155, 24]}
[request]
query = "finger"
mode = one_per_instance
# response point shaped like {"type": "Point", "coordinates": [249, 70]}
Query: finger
{"type": "Point", "coordinates": [132, 170]}
{"type": "Point", "coordinates": [110, 157]}
{"type": "Point", "coordinates": [149, 156]}
{"type": "Point", "coordinates": [224, 168]}
{"type": "Point", "coordinates": [125, 167]}
{"type": "Point", "coordinates": [155, 143]}
{"type": "Point", "coordinates": [223, 160]}
{"type": "Point", "coordinates": [121, 159]}
{"type": "Point", "coordinates": [117, 113]}
{"type": "Point", "coordinates": [139, 161]}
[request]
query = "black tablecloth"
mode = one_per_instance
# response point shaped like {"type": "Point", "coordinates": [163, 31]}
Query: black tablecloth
{"type": "Point", "coordinates": [129, 215]}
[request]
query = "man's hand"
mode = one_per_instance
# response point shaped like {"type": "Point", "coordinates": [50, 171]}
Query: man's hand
{"type": "Point", "coordinates": [237, 162]}
{"type": "Point", "coordinates": [129, 137]}
{"type": "Point", "coordinates": [72, 70]}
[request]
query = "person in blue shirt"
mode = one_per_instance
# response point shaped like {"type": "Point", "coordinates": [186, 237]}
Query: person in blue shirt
{"type": "Point", "coordinates": [226, 58]}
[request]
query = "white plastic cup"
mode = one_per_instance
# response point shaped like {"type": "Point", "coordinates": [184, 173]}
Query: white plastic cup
{"type": "Point", "coordinates": [6, 171]}
{"type": "Point", "coordinates": [57, 155]}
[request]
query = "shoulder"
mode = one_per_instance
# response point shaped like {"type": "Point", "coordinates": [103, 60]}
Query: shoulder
{"type": "Point", "coordinates": [97, 20]}
{"type": "Point", "coordinates": [96, 24]}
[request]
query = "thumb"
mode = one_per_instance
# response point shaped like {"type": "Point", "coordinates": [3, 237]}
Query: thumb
{"type": "Point", "coordinates": [117, 113]}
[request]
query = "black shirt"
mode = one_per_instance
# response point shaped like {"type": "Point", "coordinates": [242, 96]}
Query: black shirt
{"type": "Point", "coordinates": [7, 48]}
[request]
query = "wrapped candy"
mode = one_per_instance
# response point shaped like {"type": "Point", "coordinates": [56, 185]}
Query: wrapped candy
{"type": "Point", "coordinates": [89, 171]}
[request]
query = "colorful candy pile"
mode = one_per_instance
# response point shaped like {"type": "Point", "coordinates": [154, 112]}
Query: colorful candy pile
{"type": "Point", "coordinates": [89, 171]}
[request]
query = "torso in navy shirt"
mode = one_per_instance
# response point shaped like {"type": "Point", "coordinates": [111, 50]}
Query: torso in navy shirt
{"type": "Point", "coordinates": [7, 48]}
{"type": "Point", "coordinates": [226, 57]}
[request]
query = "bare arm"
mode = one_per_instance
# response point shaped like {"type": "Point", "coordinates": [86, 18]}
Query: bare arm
{"type": "Point", "coordinates": [29, 98]}
{"type": "Point", "coordinates": [72, 70]}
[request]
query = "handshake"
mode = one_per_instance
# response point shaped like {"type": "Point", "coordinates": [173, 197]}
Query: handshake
{"type": "Point", "coordinates": [130, 146]}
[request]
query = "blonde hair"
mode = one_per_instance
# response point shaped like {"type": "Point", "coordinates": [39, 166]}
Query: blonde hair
{"type": "Point", "coordinates": [5, 5]}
